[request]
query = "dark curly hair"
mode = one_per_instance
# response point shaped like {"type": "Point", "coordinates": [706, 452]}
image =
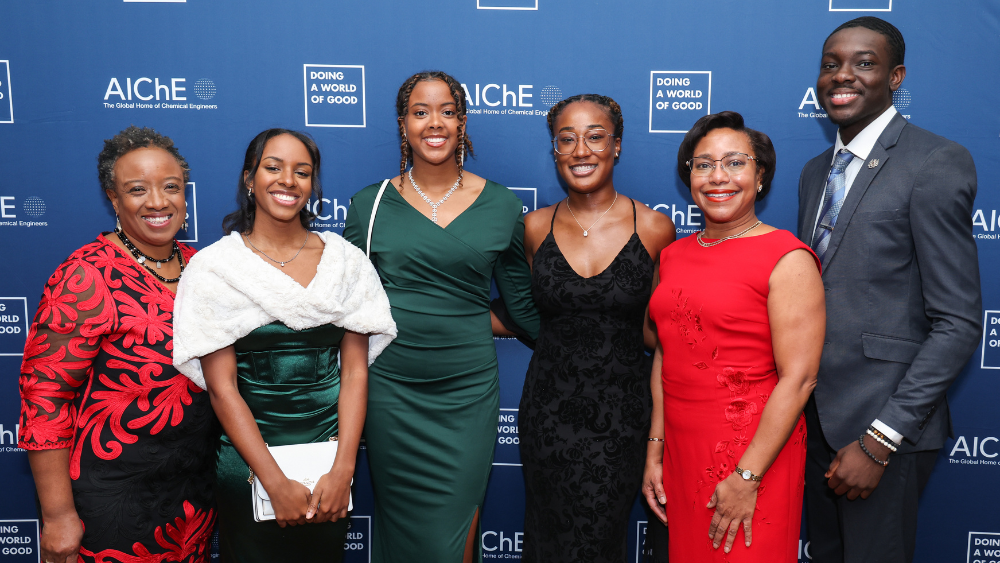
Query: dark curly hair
{"type": "Point", "coordinates": [610, 107]}
{"type": "Point", "coordinates": [242, 219]}
{"type": "Point", "coordinates": [759, 142]}
{"type": "Point", "coordinates": [893, 38]}
{"type": "Point", "coordinates": [403, 106]}
{"type": "Point", "coordinates": [128, 140]}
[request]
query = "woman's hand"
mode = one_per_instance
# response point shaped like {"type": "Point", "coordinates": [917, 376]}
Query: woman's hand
{"type": "Point", "coordinates": [60, 539]}
{"type": "Point", "coordinates": [290, 502]}
{"type": "Point", "coordinates": [331, 497]}
{"type": "Point", "coordinates": [652, 489]}
{"type": "Point", "coordinates": [734, 501]}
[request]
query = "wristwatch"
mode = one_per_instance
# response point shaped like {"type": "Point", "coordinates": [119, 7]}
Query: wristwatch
{"type": "Point", "coordinates": [747, 475]}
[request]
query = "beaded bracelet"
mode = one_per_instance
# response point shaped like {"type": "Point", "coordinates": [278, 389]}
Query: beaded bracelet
{"type": "Point", "coordinates": [878, 434]}
{"type": "Point", "coordinates": [656, 440]}
{"type": "Point", "coordinates": [861, 441]}
{"type": "Point", "coordinates": [875, 434]}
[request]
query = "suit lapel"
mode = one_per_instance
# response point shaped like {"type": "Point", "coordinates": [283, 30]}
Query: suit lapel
{"type": "Point", "coordinates": [815, 188]}
{"type": "Point", "coordinates": [879, 155]}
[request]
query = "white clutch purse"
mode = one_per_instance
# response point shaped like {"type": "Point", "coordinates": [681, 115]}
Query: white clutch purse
{"type": "Point", "coordinates": [304, 463]}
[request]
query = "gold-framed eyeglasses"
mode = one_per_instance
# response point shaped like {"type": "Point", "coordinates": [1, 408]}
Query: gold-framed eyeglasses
{"type": "Point", "coordinates": [734, 164]}
{"type": "Point", "coordinates": [597, 140]}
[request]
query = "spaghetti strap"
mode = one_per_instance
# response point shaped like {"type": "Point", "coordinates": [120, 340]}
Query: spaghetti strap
{"type": "Point", "coordinates": [634, 231]}
{"type": "Point", "coordinates": [553, 222]}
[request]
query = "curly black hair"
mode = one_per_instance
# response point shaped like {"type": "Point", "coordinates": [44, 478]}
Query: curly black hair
{"type": "Point", "coordinates": [760, 143]}
{"type": "Point", "coordinates": [128, 140]}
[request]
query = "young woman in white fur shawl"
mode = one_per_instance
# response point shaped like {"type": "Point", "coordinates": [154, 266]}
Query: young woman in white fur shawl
{"type": "Point", "coordinates": [260, 317]}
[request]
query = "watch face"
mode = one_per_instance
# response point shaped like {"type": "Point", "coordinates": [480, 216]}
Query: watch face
{"type": "Point", "coordinates": [747, 474]}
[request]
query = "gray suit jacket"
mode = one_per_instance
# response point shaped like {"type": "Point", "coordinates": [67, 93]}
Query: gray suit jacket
{"type": "Point", "coordinates": [902, 287]}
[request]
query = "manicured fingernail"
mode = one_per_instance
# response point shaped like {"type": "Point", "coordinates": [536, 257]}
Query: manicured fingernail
{"type": "Point", "coordinates": [726, 550]}
{"type": "Point", "coordinates": [748, 544]}
{"type": "Point", "coordinates": [715, 546]}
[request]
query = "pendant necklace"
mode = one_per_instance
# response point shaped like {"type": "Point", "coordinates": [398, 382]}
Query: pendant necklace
{"type": "Point", "coordinates": [434, 206]}
{"type": "Point", "coordinates": [279, 262]}
{"type": "Point", "coordinates": [141, 258]}
{"type": "Point", "coordinates": [587, 230]}
{"type": "Point", "coordinates": [721, 240]}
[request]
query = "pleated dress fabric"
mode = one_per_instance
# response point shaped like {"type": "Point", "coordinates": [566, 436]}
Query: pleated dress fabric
{"type": "Point", "coordinates": [433, 399]}
{"type": "Point", "coordinates": [290, 380]}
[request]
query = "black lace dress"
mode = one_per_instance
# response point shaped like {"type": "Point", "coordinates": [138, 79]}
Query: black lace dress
{"type": "Point", "coordinates": [584, 415]}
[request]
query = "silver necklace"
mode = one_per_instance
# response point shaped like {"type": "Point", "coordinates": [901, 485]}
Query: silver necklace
{"type": "Point", "coordinates": [721, 240]}
{"type": "Point", "coordinates": [434, 206]}
{"type": "Point", "coordinates": [587, 230]}
{"type": "Point", "coordinates": [279, 262]}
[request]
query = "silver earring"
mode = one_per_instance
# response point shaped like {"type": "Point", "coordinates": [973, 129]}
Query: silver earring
{"type": "Point", "coordinates": [760, 187]}
{"type": "Point", "coordinates": [249, 192]}
{"type": "Point", "coordinates": [185, 225]}
{"type": "Point", "coordinates": [118, 223]}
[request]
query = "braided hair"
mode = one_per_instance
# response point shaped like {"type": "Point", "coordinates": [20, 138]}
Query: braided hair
{"type": "Point", "coordinates": [610, 107]}
{"type": "Point", "coordinates": [893, 38]}
{"type": "Point", "coordinates": [403, 106]}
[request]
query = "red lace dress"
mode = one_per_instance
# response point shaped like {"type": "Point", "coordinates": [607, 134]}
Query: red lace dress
{"type": "Point", "coordinates": [710, 311]}
{"type": "Point", "coordinates": [97, 378]}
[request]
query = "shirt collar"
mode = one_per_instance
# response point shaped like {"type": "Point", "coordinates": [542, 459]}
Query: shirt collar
{"type": "Point", "coordinates": [863, 143]}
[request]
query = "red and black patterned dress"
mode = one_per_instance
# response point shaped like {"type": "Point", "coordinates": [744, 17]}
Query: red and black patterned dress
{"type": "Point", "coordinates": [97, 378]}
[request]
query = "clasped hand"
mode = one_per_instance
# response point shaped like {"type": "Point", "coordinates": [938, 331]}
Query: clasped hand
{"type": "Point", "coordinates": [734, 501]}
{"type": "Point", "coordinates": [294, 505]}
{"type": "Point", "coordinates": [853, 473]}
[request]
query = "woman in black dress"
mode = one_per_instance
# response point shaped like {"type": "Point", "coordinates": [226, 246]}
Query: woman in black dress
{"type": "Point", "coordinates": [121, 445]}
{"type": "Point", "coordinates": [584, 414]}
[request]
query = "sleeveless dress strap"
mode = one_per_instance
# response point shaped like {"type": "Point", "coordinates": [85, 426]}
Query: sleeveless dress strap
{"type": "Point", "coordinates": [552, 223]}
{"type": "Point", "coordinates": [634, 230]}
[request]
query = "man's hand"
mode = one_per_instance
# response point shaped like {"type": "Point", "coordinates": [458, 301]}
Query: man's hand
{"type": "Point", "coordinates": [853, 472]}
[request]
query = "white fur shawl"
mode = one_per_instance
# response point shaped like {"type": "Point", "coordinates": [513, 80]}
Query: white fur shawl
{"type": "Point", "coordinates": [227, 291]}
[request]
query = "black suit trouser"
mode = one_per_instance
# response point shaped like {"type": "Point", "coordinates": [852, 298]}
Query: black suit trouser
{"type": "Point", "coordinates": [879, 529]}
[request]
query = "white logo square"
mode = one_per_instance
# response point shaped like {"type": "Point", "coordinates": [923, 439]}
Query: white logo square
{"type": "Point", "coordinates": [677, 98]}
{"type": "Point", "coordinates": [191, 197]}
{"type": "Point", "coordinates": [506, 4]}
{"type": "Point", "coordinates": [13, 325]}
{"type": "Point", "coordinates": [860, 5]}
{"type": "Point", "coordinates": [334, 95]}
{"type": "Point", "coordinates": [6, 103]}
{"type": "Point", "coordinates": [983, 546]}
{"type": "Point", "coordinates": [529, 196]}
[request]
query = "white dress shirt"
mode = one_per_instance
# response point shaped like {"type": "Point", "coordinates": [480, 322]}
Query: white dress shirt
{"type": "Point", "coordinates": [861, 146]}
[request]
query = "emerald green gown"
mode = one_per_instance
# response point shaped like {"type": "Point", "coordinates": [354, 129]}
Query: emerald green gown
{"type": "Point", "coordinates": [433, 394]}
{"type": "Point", "coordinates": [291, 382]}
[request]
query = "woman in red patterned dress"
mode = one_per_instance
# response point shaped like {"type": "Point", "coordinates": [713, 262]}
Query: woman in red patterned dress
{"type": "Point", "coordinates": [740, 319]}
{"type": "Point", "coordinates": [119, 442]}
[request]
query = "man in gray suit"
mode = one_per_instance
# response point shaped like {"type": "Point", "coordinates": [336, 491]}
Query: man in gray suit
{"type": "Point", "coordinates": [888, 210]}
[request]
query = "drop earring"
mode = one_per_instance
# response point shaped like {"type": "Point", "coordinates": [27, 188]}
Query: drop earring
{"type": "Point", "coordinates": [118, 223]}
{"type": "Point", "coordinates": [760, 187]}
{"type": "Point", "coordinates": [185, 225]}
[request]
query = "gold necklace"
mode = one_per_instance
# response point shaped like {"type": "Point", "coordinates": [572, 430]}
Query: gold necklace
{"type": "Point", "coordinates": [721, 240]}
{"type": "Point", "coordinates": [585, 231]}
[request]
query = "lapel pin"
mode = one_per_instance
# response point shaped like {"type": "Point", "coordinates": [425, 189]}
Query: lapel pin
{"type": "Point", "coordinates": [873, 163]}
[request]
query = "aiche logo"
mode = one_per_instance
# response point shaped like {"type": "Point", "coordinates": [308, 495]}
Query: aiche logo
{"type": "Point", "coordinates": [330, 214]}
{"type": "Point", "coordinates": [506, 4]}
{"type": "Point", "coordinates": [6, 103]}
{"type": "Point", "coordinates": [191, 218]}
{"type": "Point", "coordinates": [501, 545]}
{"type": "Point", "coordinates": [19, 541]}
{"type": "Point", "coordinates": [507, 451]}
{"type": "Point", "coordinates": [358, 543]}
{"type": "Point", "coordinates": [687, 219]}
{"type": "Point", "coordinates": [157, 93]}
{"type": "Point", "coordinates": [26, 212]}
{"type": "Point", "coordinates": [334, 95]}
{"type": "Point", "coordinates": [975, 450]}
{"type": "Point", "coordinates": [678, 98]}
{"type": "Point", "coordinates": [810, 107]}
{"type": "Point", "coordinates": [529, 198]}
{"type": "Point", "coordinates": [984, 224]}
{"type": "Point", "coordinates": [8, 440]}
{"type": "Point", "coordinates": [984, 547]}
{"type": "Point", "coordinates": [13, 325]}
{"type": "Point", "coordinates": [501, 98]}
{"type": "Point", "coordinates": [860, 5]}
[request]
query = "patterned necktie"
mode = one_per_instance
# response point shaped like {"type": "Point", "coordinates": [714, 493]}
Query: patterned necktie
{"type": "Point", "coordinates": [833, 200]}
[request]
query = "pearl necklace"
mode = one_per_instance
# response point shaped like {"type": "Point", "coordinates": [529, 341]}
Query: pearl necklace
{"type": "Point", "coordinates": [434, 206]}
{"type": "Point", "coordinates": [721, 240]}
{"type": "Point", "coordinates": [282, 264]}
{"type": "Point", "coordinates": [585, 231]}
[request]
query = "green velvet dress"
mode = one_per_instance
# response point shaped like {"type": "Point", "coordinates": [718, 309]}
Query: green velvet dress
{"type": "Point", "coordinates": [291, 382]}
{"type": "Point", "coordinates": [433, 394]}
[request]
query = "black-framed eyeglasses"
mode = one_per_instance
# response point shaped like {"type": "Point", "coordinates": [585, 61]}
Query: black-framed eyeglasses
{"type": "Point", "coordinates": [734, 164]}
{"type": "Point", "coordinates": [597, 140]}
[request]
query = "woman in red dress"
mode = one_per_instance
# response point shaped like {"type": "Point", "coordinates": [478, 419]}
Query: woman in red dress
{"type": "Point", "coordinates": [119, 442]}
{"type": "Point", "coordinates": [740, 319]}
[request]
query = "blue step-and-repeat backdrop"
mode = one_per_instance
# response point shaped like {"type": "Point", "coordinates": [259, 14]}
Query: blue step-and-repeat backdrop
{"type": "Point", "coordinates": [212, 74]}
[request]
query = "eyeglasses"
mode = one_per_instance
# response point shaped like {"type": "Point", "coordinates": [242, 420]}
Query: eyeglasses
{"type": "Point", "coordinates": [597, 140]}
{"type": "Point", "coordinates": [734, 164]}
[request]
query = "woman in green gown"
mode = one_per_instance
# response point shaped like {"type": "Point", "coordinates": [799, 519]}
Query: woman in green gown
{"type": "Point", "coordinates": [439, 236]}
{"type": "Point", "coordinates": [260, 321]}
